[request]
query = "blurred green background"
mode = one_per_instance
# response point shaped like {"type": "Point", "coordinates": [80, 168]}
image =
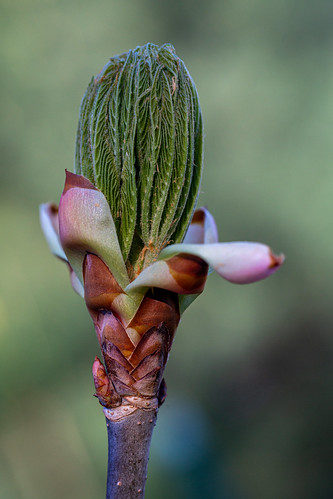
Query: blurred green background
{"type": "Point", "coordinates": [250, 403]}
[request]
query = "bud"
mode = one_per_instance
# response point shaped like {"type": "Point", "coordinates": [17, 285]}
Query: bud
{"type": "Point", "coordinates": [140, 142]}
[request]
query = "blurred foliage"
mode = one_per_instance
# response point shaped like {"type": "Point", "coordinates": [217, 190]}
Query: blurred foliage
{"type": "Point", "coordinates": [250, 405]}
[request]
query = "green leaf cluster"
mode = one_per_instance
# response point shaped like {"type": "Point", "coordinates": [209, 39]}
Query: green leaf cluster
{"type": "Point", "coordinates": [140, 141]}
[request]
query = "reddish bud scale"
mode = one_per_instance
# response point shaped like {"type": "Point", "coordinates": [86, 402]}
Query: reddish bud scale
{"type": "Point", "coordinates": [134, 354]}
{"type": "Point", "coordinates": [104, 390]}
{"type": "Point", "coordinates": [189, 272]}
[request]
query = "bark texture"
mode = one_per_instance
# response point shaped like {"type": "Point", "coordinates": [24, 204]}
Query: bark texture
{"type": "Point", "coordinates": [129, 441]}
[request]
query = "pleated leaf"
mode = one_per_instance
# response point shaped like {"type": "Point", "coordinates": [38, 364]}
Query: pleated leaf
{"type": "Point", "coordinates": [139, 141]}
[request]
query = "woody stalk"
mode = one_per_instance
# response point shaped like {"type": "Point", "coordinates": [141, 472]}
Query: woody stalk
{"type": "Point", "coordinates": [137, 250]}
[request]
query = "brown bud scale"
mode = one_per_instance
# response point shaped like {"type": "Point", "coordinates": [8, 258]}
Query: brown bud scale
{"type": "Point", "coordinates": [133, 370]}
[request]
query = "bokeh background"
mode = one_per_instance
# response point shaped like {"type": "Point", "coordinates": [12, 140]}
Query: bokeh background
{"type": "Point", "coordinates": [250, 403]}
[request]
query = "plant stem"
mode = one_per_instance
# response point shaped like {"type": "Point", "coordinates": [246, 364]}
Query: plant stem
{"type": "Point", "coordinates": [129, 441]}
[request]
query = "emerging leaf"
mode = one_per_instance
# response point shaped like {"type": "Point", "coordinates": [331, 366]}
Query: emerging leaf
{"type": "Point", "coordinates": [140, 142]}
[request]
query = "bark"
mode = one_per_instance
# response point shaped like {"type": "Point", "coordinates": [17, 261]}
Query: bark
{"type": "Point", "coordinates": [129, 440]}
